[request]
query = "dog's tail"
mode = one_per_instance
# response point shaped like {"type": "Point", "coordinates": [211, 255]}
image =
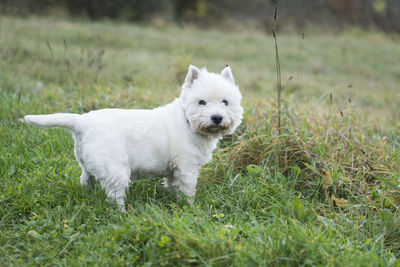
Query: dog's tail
{"type": "Point", "coordinates": [63, 120]}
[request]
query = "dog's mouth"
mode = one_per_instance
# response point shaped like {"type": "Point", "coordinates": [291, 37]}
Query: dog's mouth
{"type": "Point", "coordinates": [210, 128]}
{"type": "Point", "coordinates": [215, 128]}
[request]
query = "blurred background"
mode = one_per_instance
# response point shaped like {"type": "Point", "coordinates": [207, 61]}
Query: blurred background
{"type": "Point", "coordinates": [335, 14]}
{"type": "Point", "coordinates": [344, 52]}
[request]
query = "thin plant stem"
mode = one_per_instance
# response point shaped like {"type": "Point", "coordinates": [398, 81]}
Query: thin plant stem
{"type": "Point", "coordinates": [278, 73]}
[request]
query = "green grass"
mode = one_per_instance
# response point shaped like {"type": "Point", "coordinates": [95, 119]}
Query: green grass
{"type": "Point", "coordinates": [325, 192]}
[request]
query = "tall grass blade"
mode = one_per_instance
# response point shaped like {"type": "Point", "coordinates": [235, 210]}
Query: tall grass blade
{"type": "Point", "coordinates": [278, 73]}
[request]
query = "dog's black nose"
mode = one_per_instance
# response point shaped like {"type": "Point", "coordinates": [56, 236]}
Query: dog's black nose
{"type": "Point", "coordinates": [217, 119]}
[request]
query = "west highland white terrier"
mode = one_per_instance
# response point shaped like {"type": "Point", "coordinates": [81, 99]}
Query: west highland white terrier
{"type": "Point", "coordinates": [116, 146]}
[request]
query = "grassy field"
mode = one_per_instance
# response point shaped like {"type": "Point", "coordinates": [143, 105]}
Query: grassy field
{"type": "Point", "coordinates": [324, 192]}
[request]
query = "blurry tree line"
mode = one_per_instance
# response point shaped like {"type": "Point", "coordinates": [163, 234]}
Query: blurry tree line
{"type": "Point", "coordinates": [381, 14]}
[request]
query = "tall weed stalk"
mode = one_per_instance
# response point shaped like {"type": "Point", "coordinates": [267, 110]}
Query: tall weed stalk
{"type": "Point", "coordinates": [278, 71]}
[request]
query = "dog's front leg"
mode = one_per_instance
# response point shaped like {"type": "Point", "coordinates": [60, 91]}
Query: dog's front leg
{"type": "Point", "coordinates": [170, 183]}
{"type": "Point", "coordinates": [187, 180]}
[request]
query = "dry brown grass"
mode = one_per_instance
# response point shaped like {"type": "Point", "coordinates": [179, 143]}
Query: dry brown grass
{"type": "Point", "coordinates": [331, 153]}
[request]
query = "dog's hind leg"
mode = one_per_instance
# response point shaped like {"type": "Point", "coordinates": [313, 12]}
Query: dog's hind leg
{"type": "Point", "coordinates": [86, 178]}
{"type": "Point", "coordinates": [116, 183]}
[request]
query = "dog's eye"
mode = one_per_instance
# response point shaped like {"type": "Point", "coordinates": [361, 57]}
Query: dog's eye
{"type": "Point", "coordinates": [225, 102]}
{"type": "Point", "coordinates": [202, 103]}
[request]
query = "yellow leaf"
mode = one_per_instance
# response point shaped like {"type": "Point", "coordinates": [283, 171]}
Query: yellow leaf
{"type": "Point", "coordinates": [342, 203]}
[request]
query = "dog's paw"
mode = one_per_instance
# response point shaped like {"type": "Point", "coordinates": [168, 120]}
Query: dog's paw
{"type": "Point", "coordinates": [169, 184]}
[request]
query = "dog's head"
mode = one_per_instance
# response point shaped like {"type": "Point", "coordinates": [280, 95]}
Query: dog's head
{"type": "Point", "coordinates": [211, 101]}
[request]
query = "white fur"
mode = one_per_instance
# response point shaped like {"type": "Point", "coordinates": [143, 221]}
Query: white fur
{"type": "Point", "coordinates": [115, 146]}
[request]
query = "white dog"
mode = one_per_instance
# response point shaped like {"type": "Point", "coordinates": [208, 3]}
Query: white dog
{"type": "Point", "coordinates": [115, 146]}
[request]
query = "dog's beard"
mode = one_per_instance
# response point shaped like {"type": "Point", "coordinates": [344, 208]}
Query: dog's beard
{"type": "Point", "coordinates": [210, 129]}
{"type": "Point", "coordinates": [214, 129]}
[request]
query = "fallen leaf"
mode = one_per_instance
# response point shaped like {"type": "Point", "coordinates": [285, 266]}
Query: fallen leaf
{"type": "Point", "coordinates": [342, 203]}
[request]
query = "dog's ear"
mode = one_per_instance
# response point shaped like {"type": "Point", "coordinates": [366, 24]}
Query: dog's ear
{"type": "Point", "coordinates": [226, 73]}
{"type": "Point", "coordinates": [193, 74]}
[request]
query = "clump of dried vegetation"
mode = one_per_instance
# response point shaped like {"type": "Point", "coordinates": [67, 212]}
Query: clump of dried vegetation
{"type": "Point", "coordinates": [330, 152]}
{"type": "Point", "coordinates": [334, 154]}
